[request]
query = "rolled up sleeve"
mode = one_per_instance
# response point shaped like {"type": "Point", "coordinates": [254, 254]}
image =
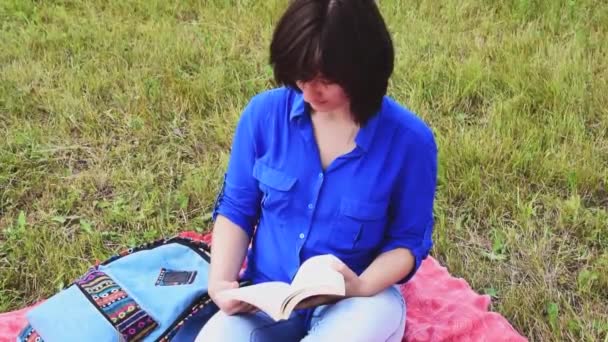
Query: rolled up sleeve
{"type": "Point", "coordinates": [239, 197]}
{"type": "Point", "coordinates": [411, 210]}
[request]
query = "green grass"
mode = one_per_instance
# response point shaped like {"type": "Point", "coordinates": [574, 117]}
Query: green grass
{"type": "Point", "coordinates": [116, 120]}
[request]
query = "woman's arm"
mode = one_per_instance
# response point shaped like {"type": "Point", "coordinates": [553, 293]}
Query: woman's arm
{"type": "Point", "coordinates": [227, 254]}
{"type": "Point", "coordinates": [235, 214]}
{"type": "Point", "coordinates": [386, 270]}
{"type": "Point", "coordinates": [407, 240]}
{"type": "Point", "coordinates": [227, 250]}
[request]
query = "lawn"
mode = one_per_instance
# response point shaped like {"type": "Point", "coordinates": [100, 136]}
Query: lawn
{"type": "Point", "coordinates": [116, 119]}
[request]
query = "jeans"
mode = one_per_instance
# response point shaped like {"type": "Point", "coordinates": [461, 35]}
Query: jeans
{"type": "Point", "coordinates": [377, 318]}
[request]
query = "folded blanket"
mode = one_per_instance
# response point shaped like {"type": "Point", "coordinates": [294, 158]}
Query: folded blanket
{"type": "Point", "coordinates": [11, 324]}
{"type": "Point", "coordinates": [443, 308]}
{"type": "Point", "coordinates": [439, 308]}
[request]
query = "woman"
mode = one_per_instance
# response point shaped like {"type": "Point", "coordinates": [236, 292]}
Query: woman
{"type": "Point", "coordinates": [327, 164]}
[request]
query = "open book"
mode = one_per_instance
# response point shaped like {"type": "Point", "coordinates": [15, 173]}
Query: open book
{"type": "Point", "coordinates": [316, 276]}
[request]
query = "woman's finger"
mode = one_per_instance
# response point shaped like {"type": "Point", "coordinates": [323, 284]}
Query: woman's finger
{"type": "Point", "coordinates": [250, 309]}
{"type": "Point", "coordinates": [233, 307]}
{"type": "Point", "coordinates": [243, 307]}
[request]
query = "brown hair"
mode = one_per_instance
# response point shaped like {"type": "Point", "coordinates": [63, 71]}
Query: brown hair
{"type": "Point", "coordinates": [345, 41]}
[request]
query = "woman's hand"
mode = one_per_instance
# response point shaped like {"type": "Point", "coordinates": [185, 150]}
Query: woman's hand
{"type": "Point", "coordinates": [355, 287]}
{"type": "Point", "coordinates": [228, 306]}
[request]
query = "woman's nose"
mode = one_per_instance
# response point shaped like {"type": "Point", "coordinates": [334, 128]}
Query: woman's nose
{"type": "Point", "coordinates": [311, 87]}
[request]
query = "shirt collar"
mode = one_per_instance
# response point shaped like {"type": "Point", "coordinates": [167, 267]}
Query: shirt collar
{"type": "Point", "coordinates": [365, 135]}
{"type": "Point", "coordinates": [298, 106]}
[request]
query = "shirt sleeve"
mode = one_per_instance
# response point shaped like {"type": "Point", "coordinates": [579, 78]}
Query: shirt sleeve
{"type": "Point", "coordinates": [411, 210]}
{"type": "Point", "coordinates": [239, 197]}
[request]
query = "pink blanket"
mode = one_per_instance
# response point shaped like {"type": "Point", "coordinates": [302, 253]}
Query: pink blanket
{"type": "Point", "coordinates": [439, 308]}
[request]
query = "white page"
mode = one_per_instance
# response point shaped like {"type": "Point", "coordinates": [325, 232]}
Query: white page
{"type": "Point", "coordinates": [268, 296]}
{"type": "Point", "coordinates": [318, 271]}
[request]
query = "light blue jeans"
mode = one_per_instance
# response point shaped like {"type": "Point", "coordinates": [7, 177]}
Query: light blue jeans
{"type": "Point", "coordinates": [377, 318]}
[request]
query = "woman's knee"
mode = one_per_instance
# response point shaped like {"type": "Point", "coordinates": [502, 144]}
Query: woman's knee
{"type": "Point", "coordinates": [257, 327]}
{"type": "Point", "coordinates": [222, 327]}
{"type": "Point", "coordinates": [380, 317]}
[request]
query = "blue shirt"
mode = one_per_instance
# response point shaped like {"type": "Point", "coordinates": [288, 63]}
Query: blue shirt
{"type": "Point", "coordinates": [374, 199]}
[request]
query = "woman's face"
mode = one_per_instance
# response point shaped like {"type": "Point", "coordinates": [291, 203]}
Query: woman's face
{"type": "Point", "coordinates": [323, 95]}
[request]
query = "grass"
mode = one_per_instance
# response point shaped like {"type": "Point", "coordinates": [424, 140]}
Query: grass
{"type": "Point", "coordinates": [116, 120]}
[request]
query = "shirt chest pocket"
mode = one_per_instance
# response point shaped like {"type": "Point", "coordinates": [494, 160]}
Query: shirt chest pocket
{"type": "Point", "coordinates": [277, 189]}
{"type": "Point", "coordinates": [359, 225]}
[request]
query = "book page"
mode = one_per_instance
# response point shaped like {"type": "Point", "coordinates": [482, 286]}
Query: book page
{"type": "Point", "coordinates": [267, 297]}
{"type": "Point", "coordinates": [318, 272]}
{"type": "Point", "coordinates": [316, 276]}
{"type": "Point", "coordinates": [296, 298]}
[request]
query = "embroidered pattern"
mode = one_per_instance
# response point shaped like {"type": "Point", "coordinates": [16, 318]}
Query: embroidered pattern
{"type": "Point", "coordinates": [28, 334]}
{"type": "Point", "coordinates": [170, 277]}
{"type": "Point", "coordinates": [125, 314]}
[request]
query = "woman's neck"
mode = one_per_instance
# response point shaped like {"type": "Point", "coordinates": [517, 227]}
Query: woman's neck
{"type": "Point", "coordinates": [337, 116]}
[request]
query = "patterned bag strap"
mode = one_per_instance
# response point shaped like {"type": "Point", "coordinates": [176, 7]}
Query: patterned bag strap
{"type": "Point", "coordinates": [28, 334]}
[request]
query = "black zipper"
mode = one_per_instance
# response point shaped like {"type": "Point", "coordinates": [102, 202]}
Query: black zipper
{"type": "Point", "coordinates": [202, 250]}
{"type": "Point", "coordinates": [203, 300]}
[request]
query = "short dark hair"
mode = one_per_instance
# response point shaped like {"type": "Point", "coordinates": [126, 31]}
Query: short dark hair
{"type": "Point", "coordinates": [345, 41]}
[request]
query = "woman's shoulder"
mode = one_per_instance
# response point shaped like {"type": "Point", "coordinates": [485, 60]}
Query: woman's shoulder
{"type": "Point", "coordinates": [271, 104]}
{"type": "Point", "coordinates": [273, 97]}
{"type": "Point", "coordinates": [409, 124]}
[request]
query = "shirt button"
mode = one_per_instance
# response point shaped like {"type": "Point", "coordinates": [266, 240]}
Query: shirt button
{"type": "Point", "coordinates": [320, 175]}
{"type": "Point", "coordinates": [301, 235]}
{"type": "Point", "coordinates": [310, 206]}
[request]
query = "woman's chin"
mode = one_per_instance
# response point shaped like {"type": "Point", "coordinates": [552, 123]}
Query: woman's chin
{"type": "Point", "coordinates": [320, 107]}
